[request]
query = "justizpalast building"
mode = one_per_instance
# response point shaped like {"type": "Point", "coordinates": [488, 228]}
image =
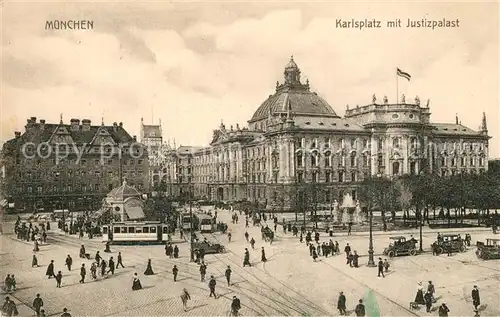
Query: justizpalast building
{"type": "Point", "coordinates": [295, 137]}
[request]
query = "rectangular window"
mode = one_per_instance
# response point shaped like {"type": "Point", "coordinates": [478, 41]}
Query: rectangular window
{"type": "Point", "coordinates": [353, 177]}
{"type": "Point", "coordinates": [152, 229]}
{"type": "Point", "coordinates": [117, 229]}
{"type": "Point", "coordinates": [124, 229]}
{"type": "Point", "coordinates": [327, 177]}
{"type": "Point", "coordinates": [97, 187]}
{"type": "Point", "coordinates": [131, 229]}
{"type": "Point", "coordinates": [105, 230]}
{"type": "Point", "coordinates": [380, 145]}
{"type": "Point", "coordinates": [96, 162]}
{"type": "Point", "coordinates": [314, 177]}
{"type": "Point", "coordinates": [300, 177]}
{"type": "Point", "coordinates": [110, 162]}
{"type": "Point", "coordinates": [341, 176]}
{"type": "Point", "coordinates": [39, 189]}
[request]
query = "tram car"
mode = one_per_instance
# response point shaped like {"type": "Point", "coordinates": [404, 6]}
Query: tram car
{"type": "Point", "coordinates": [206, 223]}
{"type": "Point", "coordinates": [150, 232]}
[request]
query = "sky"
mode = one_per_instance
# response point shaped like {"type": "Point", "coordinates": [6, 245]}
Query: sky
{"type": "Point", "coordinates": [193, 64]}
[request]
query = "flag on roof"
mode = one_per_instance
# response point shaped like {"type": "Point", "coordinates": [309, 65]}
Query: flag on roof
{"type": "Point", "coordinates": [403, 74]}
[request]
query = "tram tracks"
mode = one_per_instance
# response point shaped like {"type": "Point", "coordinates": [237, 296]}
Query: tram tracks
{"type": "Point", "coordinates": [186, 272]}
{"type": "Point", "coordinates": [296, 302]}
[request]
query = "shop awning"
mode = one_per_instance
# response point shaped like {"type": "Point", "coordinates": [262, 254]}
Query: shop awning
{"type": "Point", "coordinates": [134, 213]}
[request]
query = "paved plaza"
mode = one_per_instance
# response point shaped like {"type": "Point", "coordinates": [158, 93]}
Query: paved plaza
{"type": "Point", "coordinates": [290, 283]}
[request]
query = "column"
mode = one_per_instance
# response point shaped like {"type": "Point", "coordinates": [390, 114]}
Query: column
{"type": "Point", "coordinates": [387, 154]}
{"type": "Point", "coordinates": [282, 158]}
{"type": "Point", "coordinates": [292, 159]}
{"type": "Point", "coordinates": [373, 155]}
{"type": "Point", "coordinates": [405, 154]}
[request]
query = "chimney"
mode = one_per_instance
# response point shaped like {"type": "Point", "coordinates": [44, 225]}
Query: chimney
{"type": "Point", "coordinates": [17, 134]}
{"type": "Point", "coordinates": [135, 138]}
{"type": "Point", "coordinates": [75, 124]}
{"type": "Point", "coordinates": [121, 124]}
{"type": "Point", "coordinates": [30, 123]}
{"type": "Point", "coordinates": [115, 126]}
{"type": "Point", "coordinates": [42, 124]}
{"type": "Point", "coordinates": [86, 125]}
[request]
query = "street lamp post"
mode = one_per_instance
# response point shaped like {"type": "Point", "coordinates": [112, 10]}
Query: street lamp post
{"type": "Point", "coordinates": [421, 224]}
{"type": "Point", "coordinates": [191, 228]}
{"type": "Point", "coordinates": [371, 261]}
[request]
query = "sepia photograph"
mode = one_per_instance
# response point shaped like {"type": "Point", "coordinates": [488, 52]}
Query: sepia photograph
{"type": "Point", "coordinates": [249, 158]}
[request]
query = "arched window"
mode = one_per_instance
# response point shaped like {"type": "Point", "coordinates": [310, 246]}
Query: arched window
{"type": "Point", "coordinates": [299, 158]}
{"type": "Point", "coordinates": [354, 161]}
{"type": "Point", "coordinates": [396, 143]}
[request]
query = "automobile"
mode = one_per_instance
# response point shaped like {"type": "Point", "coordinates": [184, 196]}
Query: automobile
{"type": "Point", "coordinates": [449, 241]}
{"type": "Point", "coordinates": [399, 245]}
{"type": "Point", "coordinates": [209, 247]}
{"type": "Point", "coordinates": [489, 250]}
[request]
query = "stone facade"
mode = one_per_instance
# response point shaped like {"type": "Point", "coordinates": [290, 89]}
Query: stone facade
{"type": "Point", "coordinates": [70, 166]}
{"type": "Point", "coordinates": [295, 138]}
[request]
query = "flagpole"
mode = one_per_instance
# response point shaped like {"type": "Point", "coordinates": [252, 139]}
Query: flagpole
{"type": "Point", "coordinates": [397, 86]}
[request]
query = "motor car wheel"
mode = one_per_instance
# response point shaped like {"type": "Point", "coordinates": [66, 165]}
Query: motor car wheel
{"type": "Point", "coordinates": [462, 248]}
{"type": "Point", "coordinates": [413, 252]}
{"type": "Point", "coordinates": [439, 250]}
{"type": "Point", "coordinates": [391, 254]}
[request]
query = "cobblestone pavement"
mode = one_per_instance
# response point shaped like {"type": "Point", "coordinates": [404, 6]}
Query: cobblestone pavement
{"type": "Point", "coordinates": [290, 283]}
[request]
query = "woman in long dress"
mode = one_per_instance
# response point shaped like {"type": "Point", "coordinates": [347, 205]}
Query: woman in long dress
{"type": "Point", "coordinates": [419, 299]}
{"type": "Point", "coordinates": [136, 284]}
{"type": "Point", "coordinates": [34, 261]}
{"type": "Point", "coordinates": [263, 256]}
{"type": "Point", "coordinates": [149, 269]}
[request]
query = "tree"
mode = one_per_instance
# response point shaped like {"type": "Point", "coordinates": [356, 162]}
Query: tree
{"type": "Point", "coordinates": [378, 193]}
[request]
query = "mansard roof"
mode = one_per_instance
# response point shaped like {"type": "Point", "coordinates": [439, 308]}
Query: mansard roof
{"type": "Point", "coordinates": [36, 134]}
{"type": "Point", "coordinates": [452, 129]}
{"type": "Point", "coordinates": [328, 123]}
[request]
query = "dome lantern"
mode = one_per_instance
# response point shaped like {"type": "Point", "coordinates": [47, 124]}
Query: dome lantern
{"type": "Point", "coordinates": [292, 72]}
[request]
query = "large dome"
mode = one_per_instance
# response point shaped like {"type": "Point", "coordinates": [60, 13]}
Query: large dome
{"type": "Point", "coordinates": [295, 95]}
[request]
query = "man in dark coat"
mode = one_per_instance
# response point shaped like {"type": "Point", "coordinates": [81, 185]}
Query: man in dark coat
{"type": "Point", "coordinates": [443, 310]}
{"type": "Point", "coordinates": [175, 271]}
{"type": "Point", "coordinates": [380, 267]}
{"type": "Point", "coordinates": [83, 272]}
{"type": "Point", "coordinates": [341, 304]}
{"type": "Point", "coordinates": [37, 304]}
{"type": "Point", "coordinates": [203, 271]}
{"type": "Point", "coordinates": [246, 259]}
{"type": "Point", "coordinates": [111, 265]}
{"type": "Point", "coordinates": [428, 301]}
{"type": "Point", "coordinates": [120, 260]}
{"type": "Point", "coordinates": [69, 262]}
{"type": "Point", "coordinates": [58, 279]}
{"type": "Point", "coordinates": [347, 250]}
{"type": "Point", "coordinates": [235, 305]}
{"type": "Point", "coordinates": [360, 309]}
{"type": "Point", "coordinates": [476, 300]}
{"type": "Point", "coordinates": [211, 285]}
{"type": "Point", "coordinates": [50, 269]}
{"type": "Point", "coordinates": [228, 275]}
{"type": "Point", "coordinates": [103, 267]}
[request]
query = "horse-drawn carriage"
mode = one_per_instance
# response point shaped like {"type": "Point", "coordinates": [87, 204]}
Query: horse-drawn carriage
{"type": "Point", "coordinates": [401, 246]}
{"type": "Point", "coordinates": [489, 250]}
{"type": "Point", "coordinates": [449, 242]}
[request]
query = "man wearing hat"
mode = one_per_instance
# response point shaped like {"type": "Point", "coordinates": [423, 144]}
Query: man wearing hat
{"type": "Point", "coordinates": [476, 300]}
{"type": "Point", "coordinates": [211, 286]}
{"type": "Point", "coordinates": [443, 310]}
{"type": "Point", "coordinates": [235, 306]}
